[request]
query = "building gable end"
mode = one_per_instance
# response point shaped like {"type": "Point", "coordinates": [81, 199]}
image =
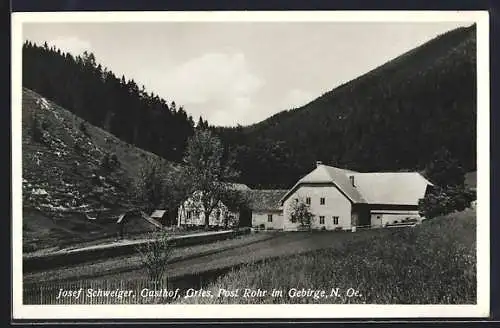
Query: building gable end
{"type": "Point", "coordinates": [294, 188]}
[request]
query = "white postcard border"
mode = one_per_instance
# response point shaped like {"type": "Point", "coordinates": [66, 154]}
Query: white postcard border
{"type": "Point", "coordinates": [481, 309]}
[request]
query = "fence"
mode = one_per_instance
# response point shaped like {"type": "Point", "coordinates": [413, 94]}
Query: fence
{"type": "Point", "coordinates": [116, 291]}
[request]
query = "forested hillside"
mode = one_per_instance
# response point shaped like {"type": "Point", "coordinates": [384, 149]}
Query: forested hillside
{"type": "Point", "coordinates": [115, 104]}
{"type": "Point", "coordinates": [395, 117]}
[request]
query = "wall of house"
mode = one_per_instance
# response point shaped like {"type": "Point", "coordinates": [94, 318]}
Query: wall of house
{"type": "Point", "coordinates": [261, 217]}
{"type": "Point", "coordinates": [381, 218]}
{"type": "Point", "coordinates": [197, 216]}
{"type": "Point", "coordinates": [336, 204]}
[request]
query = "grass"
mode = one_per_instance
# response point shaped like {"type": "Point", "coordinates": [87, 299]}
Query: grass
{"type": "Point", "coordinates": [434, 263]}
{"type": "Point", "coordinates": [284, 244]}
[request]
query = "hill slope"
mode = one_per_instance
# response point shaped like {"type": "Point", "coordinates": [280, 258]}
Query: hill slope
{"type": "Point", "coordinates": [394, 117]}
{"type": "Point", "coordinates": [96, 94]}
{"type": "Point", "coordinates": [70, 168]}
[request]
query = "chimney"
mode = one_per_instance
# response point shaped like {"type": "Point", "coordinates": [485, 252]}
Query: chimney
{"type": "Point", "coordinates": [318, 163]}
{"type": "Point", "coordinates": [351, 178]}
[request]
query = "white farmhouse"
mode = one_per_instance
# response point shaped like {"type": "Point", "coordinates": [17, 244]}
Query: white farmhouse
{"type": "Point", "coordinates": [191, 211]}
{"type": "Point", "coordinates": [341, 199]}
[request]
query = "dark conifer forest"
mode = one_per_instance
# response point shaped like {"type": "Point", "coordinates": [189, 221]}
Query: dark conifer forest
{"type": "Point", "coordinates": [396, 117]}
{"type": "Point", "coordinates": [399, 116]}
{"type": "Point", "coordinates": [113, 103]}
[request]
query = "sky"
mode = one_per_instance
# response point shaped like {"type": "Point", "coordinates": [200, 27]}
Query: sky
{"type": "Point", "coordinates": [238, 72]}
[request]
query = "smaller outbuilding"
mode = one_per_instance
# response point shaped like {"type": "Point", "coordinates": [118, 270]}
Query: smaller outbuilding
{"type": "Point", "coordinates": [153, 221]}
{"type": "Point", "coordinates": [265, 207]}
{"type": "Point", "coordinates": [124, 219]}
{"type": "Point", "coordinates": [162, 217]}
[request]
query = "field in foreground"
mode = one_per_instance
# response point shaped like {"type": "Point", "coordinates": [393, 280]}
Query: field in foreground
{"type": "Point", "coordinates": [434, 263]}
{"type": "Point", "coordinates": [431, 263]}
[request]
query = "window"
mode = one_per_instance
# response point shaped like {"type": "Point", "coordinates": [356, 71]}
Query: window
{"type": "Point", "coordinates": [269, 218]}
{"type": "Point", "coordinates": [189, 215]}
{"type": "Point", "coordinates": [335, 220]}
{"type": "Point", "coordinates": [322, 201]}
{"type": "Point", "coordinates": [308, 200]}
{"type": "Point", "coordinates": [321, 220]}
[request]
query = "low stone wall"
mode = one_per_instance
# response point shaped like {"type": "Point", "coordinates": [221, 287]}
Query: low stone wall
{"type": "Point", "coordinates": [77, 256]}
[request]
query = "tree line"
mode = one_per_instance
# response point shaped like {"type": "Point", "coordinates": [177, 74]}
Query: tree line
{"type": "Point", "coordinates": [396, 117]}
{"type": "Point", "coordinates": [116, 104]}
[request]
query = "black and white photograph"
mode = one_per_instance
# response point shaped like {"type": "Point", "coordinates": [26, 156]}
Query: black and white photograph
{"type": "Point", "coordinates": [263, 162]}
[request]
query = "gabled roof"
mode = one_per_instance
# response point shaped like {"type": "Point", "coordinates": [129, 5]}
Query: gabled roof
{"type": "Point", "coordinates": [151, 220]}
{"type": "Point", "coordinates": [329, 174]}
{"type": "Point", "coordinates": [232, 186]}
{"type": "Point", "coordinates": [264, 200]}
{"type": "Point", "coordinates": [158, 214]}
{"type": "Point", "coordinates": [388, 188]}
{"type": "Point", "coordinates": [391, 188]}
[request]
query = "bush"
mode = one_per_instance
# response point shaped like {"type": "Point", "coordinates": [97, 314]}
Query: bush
{"type": "Point", "coordinates": [445, 169]}
{"type": "Point", "coordinates": [442, 201]}
{"type": "Point", "coordinates": [300, 213]}
{"type": "Point", "coordinates": [155, 255]}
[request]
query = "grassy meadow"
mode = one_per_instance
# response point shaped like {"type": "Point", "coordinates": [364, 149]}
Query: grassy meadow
{"type": "Point", "coordinates": [434, 263]}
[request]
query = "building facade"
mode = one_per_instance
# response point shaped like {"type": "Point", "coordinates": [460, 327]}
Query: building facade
{"type": "Point", "coordinates": [192, 212]}
{"type": "Point", "coordinates": [265, 207]}
{"type": "Point", "coordinates": [343, 199]}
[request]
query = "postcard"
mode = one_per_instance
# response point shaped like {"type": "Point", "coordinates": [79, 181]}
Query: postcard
{"type": "Point", "coordinates": [232, 165]}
